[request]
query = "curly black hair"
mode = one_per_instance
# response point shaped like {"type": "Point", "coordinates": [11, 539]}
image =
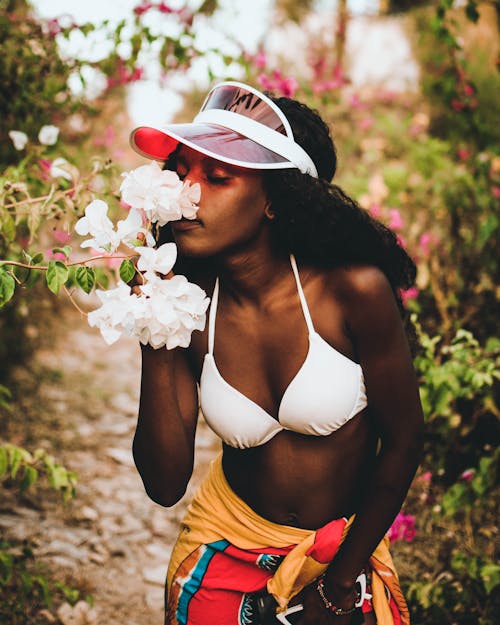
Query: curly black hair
{"type": "Point", "coordinates": [315, 220]}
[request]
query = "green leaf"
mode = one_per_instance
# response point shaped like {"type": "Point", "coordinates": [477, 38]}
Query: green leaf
{"type": "Point", "coordinates": [66, 250]}
{"type": "Point", "coordinates": [37, 259]}
{"type": "Point", "coordinates": [9, 228]}
{"type": "Point", "coordinates": [490, 574]}
{"type": "Point", "coordinates": [101, 277]}
{"type": "Point", "coordinates": [15, 461]}
{"type": "Point", "coordinates": [56, 276]}
{"type": "Point", "coordinates": [71, 281]}
{"type": "Point", "coordinates": [85, 278]}
{"type": "Point", "coordinates": [471, 11]}
{"type": "Point", "coordinates": [30, 477]}
{"type": "Point", "coordinates": [3, 461]}
{"type": "Point", "coordinates": [127, 270]}
{"type": "Point", "coordinates": [7, 286]}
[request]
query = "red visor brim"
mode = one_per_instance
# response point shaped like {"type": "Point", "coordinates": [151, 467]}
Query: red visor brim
{"type": "Point", "coordinates": [215, 141]}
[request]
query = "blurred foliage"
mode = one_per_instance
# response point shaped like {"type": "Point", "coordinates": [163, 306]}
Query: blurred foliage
{"type": "Point", "coordinates": [460, 81]}
{"type": "Point", "coordinates": [19, 464]}
{"type": "Point", "coordinates": [33, 78]}
{"type": "Point", "coordinates": [26, 586]}
{"type": "Point", "coordinates": [457, 388]}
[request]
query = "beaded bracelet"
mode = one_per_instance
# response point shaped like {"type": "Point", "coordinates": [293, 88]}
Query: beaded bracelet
{"type": "Point", "coordinates": [328, 604]}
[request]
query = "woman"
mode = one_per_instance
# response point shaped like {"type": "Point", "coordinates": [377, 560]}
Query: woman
{"type": "Point", "coordinates": [304, 372]}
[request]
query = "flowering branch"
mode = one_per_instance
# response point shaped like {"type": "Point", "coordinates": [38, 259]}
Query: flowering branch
{"type": "Point", "coordinates": [160, 311]}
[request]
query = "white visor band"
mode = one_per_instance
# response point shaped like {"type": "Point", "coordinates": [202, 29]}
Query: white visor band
{"type": "Point", "coordinates": [236, 124]}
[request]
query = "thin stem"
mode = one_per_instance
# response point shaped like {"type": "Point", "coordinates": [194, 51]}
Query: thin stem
{"type": "Point", "coordinates": [73, 301]}
{"type": "Point", "coordinates": [33, 200]}
{"type": "Point", "coordinates": [76, 262]}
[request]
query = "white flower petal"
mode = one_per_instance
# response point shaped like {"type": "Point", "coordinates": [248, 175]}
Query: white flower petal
{"type": "Point", "coordinates": [48, 135]}
{"type": "Point", "coordinates": [19, 139]}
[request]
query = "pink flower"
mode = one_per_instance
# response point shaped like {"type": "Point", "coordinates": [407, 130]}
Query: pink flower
{"type": "Point", "coordinates": [61, 236]}
{"type": "Point", "coordinates": [425, 477]}
{"type": "Point", "coordinates": [265, 82]}
{"type": "Point", "coordinates": [495, 192]}
{"type": "Point", "coordinates": [467, 475]}
{"type": "Point", "coordinates": [45, 168]}
{"type": "Point", "coordinates": [411, 293]}
{"type": "Point", "coordinates": [143, 8]}
{"type": "Point", "coordinates": [278, 83]}
{"type": "Point", "coordinates": [355, 101]}
{"type": "Point", "coordinates": [457, 105]}
{"type": "Point", "coordinates": [468, 89]}
{"type": "Point", "coordinates": [53, 27]}
{"type": "Point", "coordinates": [463, 154]}
{"type": "Point", "coordinates": [260, 59]}
{"type": "Point", "coordinates": [375, 211]}
{"type": "Point", "coordinates": [403, 528]}
{"type": "Point", "coordinates": [396, 221]}
{"type": "Point", "coordinates": [366, 123]}
{"type": "Point", "coordinates": [164, 8]}
{"type": "Point", "coordinates": [425, 242]}
{"type": "Point", "coordinates": [401, 241]}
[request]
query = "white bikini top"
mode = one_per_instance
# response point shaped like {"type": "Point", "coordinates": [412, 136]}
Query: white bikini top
{"type": "Point", "coordinates": [326, 392]}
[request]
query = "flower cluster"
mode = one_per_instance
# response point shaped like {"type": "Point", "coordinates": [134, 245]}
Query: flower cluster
{"type": "Point", "coordinates": [403, 528]}
{"type": "Point", "coordinates": [163, 315]}
{"type": "Point", "coordinates": [160, 194]}
{"type": "Point", "coordinates": [162, 311]}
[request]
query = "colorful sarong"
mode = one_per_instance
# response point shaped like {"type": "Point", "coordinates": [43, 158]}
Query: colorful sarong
{"type": "Point", "coordinates": [225, 551]}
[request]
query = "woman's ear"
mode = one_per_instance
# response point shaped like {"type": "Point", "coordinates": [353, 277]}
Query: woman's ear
{"type": "Point", "coordinates": [268, 212]}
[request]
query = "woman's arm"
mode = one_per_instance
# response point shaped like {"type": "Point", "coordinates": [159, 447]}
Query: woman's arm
{"type": "Point", "coordinates": [164, 439]}
{"type": "Point", "coordinates": [393, 400]}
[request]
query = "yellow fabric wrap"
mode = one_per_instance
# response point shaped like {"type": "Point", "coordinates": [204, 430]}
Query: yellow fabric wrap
{"type": "Point", "coordinates": [217, 513]}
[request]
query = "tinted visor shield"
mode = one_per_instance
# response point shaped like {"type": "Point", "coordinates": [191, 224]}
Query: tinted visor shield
{"type": "Point", "coordinates": [215, 141]}
{"type": "Point", "coordinates": [252, 105]}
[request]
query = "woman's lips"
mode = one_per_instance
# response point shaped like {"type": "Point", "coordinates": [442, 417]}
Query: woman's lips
{"type": "Point", "coordinates": [186, 224]}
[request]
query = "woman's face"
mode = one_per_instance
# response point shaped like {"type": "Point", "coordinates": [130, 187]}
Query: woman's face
{"type": "Point", "coordinates": [232, 204]}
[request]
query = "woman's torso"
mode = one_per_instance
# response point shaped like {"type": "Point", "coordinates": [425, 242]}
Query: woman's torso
{"type": "Point", "coordinates": [258, 357]}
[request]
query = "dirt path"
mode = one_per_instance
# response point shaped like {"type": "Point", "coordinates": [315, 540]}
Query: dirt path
{"type": "Point", "coordinates": [111, 541]}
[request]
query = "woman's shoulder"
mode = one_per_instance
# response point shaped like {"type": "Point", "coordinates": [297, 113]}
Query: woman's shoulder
{"type": "Point", "coordinates": [355, 282]}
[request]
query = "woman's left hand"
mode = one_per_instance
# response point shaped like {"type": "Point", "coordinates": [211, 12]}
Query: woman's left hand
{"type": "Point", "coordinates": [315, 612]}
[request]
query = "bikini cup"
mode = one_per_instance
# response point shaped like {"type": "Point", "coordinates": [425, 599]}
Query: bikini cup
{"type": "Point", "coordinates": [327, 391]}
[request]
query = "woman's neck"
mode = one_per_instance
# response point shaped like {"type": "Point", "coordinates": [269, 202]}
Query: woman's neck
{"type": "Point", "coordinates": [255, 274]}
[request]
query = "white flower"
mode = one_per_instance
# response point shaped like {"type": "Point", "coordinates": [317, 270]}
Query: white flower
{"type": "Point", "coordinates": [59, 169]}
{"type": "Point", "coordinates": [189, 198]}
{"type": "Point", "coordinates": [165, 314]}
{"type": "Point", "coordinates": [158, 192]}
{"type": "Point", "coordinates": [159, 260]}
{"type": "Point", "coordinates": [177, 308]}
{"type": "Point", "coordinates": [97, 223]}
{"type": "Point", "coordinates": [105, 238]}
{"type": "Point", "coordinates": [19, 139]}
{"type": "Point", "coordinates": [111, 317]}
{"type": "Point", "coordinates": [128, 229]}
{"type": "Point", "coordinates": [48, 135]}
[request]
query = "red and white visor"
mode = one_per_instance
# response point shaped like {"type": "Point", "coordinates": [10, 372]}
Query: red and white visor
{"type": "Point", "coordinates": [236, 124]}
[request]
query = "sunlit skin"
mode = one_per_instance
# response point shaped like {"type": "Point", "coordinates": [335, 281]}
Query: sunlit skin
{"type": "Point", "coordinates": [261, 341]}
